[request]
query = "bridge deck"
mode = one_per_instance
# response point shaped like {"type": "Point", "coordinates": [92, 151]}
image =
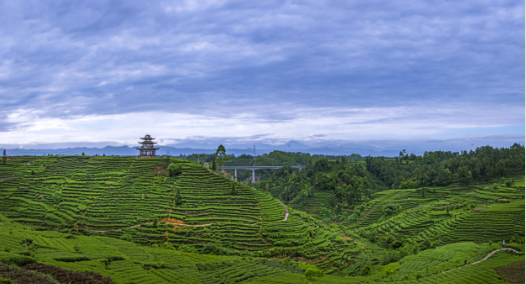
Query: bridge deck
{"type": "Point", "coordinates": [258, 167]}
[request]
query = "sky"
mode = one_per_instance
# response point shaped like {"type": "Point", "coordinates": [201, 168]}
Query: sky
{"type": "Point", "coordinates": [383, 73]}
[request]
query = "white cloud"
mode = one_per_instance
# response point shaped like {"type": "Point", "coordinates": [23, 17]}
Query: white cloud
{"type": "Point", "coordinates": [306, 124]}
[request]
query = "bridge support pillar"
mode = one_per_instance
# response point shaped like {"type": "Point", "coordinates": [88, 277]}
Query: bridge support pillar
{"type": "Point", "coordinates": [235, 173]}
{"type": "Point", "coordinates": [253, 176]}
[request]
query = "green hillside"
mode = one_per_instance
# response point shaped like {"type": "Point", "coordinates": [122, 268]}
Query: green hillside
{"type": "Point", "coordinates": [173, 221]}
{"type": "Point", "coordinates": [121, 198]}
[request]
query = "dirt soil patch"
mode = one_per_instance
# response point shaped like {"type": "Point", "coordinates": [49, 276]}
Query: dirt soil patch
{"type": "Point", "coordinates": [172, 221]}
{"type": "Point", "coordinates": [347, 238]}
{"type": "Point", "coordinates": [68, 276]}
{"type": "Point", "coordinates": [22, 276]}
{"type": "Point", "coordinates": [513, 273]}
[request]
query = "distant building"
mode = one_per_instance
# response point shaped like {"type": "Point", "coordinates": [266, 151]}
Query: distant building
{"type": "Point", "coordinates": [147, 150]}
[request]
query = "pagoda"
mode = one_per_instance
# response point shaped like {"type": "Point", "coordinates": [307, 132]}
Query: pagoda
{"type": "Point", "coordinates": [148, 148]}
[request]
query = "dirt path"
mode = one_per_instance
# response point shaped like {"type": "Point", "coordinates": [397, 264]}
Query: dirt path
{"type": "Point", "coordinates": [286, 211]}
{"type": "Point", "coordinates": [491, 253]}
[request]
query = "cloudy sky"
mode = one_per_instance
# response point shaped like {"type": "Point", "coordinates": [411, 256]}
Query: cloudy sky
{"type": "Point", "coordinates": [107, 72]}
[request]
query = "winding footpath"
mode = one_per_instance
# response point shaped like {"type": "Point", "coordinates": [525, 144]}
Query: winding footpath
{"type": "Point", "coordinates": [286, 211]}
{"type": "Point", "coordinates": [486, 257]}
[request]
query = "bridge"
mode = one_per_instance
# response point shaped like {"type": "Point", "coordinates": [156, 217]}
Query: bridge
{"type": "Point", "coordinates": [254, 168]}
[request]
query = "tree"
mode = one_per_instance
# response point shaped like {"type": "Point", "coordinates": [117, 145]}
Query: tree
{"type": "Point", "coordinates": [178, 198]}
{"type": "Point", "coordinates": [4, 158]}
{"type": "Point", "coordinates": [83, 154]}
{"type": "Point", "coordinates": [464, 175]}
{"type": "Point", "coordinates": [446, 177]}
{"type": "Point", "coordinates": [220, 157]}
{"type": "Point", "coordinates": [233, 190]}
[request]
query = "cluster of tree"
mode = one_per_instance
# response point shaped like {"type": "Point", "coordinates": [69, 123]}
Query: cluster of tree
{"type": "Point", "coordinates": [275, 158]}
{"type": "Point", "coordinates": [437, 168]}
{"type": "Point", "coordinates": [348, 181]}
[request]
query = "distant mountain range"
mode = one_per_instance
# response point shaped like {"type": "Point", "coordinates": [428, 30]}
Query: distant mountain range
{"type": "Point", "coordinates": [191, 149]}
{"type": "Point", "coordinates": [389, 149]}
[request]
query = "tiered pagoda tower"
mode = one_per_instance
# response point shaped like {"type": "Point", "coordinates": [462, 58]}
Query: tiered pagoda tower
{"type": "Point", "coordinates": [147, 150]}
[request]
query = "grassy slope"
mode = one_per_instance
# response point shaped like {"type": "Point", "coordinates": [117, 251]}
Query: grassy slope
{"type": "Point", "coordinates": [116, 197]}
{"type": "Point", "coordinates": [122, 193]}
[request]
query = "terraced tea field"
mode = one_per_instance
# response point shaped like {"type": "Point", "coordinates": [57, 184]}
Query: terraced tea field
{"type": "Point", "coordinates": [120, 198]}
{"type": "Point", "coordinates": [123, 218]}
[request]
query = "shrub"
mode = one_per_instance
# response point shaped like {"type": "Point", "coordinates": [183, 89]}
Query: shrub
{"type": "Point", "coordinates": [126, 237]}
{"type": "Point", "coordinates": [175, 169]}
{"type": "Point", "coordinates": [389, 209]}
{"type": "Point", "coordinates": [311, 272]}
{"type": "Point", "coordinates": [57, 196]}
{"type": "Point", "coordinates": [187, 248]}
{"type": "Point", "coordinates": [209, 248]}
{"type": "Point", "coordinates": [178, 198]}
{"type": "Point", "coordinates": [15, 259]}
{"type": "Point", "coordinates": [366, 270]}
{"type": "Point", "coordinates": [167, 245]}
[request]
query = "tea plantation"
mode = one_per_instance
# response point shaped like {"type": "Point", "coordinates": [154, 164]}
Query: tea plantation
{"type": "Point", "coordinates": [135, 221]}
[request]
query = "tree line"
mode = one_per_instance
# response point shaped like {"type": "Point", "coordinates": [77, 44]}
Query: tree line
{"type": "Point", "coordinates": [437, 168]}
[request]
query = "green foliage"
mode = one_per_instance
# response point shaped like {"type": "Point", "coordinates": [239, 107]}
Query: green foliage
{"type": "Point", "coordinates": [123, 196]}
{"type": "Point", "coordinates": [126, 237]}
{"type": "Point", "coordinates": [178, 198]}
{"type": "Point", "coordinates": [390, 209]}
{"type": "Point", "coordinates": [167, 245]}
{"type": "Point", "coordinates": [220, 157]}
{"type": "Point", "coordinates": [187, 248]}
{"type": "Point", "coordinates": [312, 272]}
{"type": "Point", "coordinates": [209, 248]}
{"type": "Point", "coordinates": [15, 259]}
{"type": "Point", "coordinates": [57, 196]}
{"type": "Point", "coordinates": [175, 169]}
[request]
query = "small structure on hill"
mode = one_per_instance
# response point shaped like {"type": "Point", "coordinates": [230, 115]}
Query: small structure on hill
{"type": "Point", "coordinates": [147, 150]}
